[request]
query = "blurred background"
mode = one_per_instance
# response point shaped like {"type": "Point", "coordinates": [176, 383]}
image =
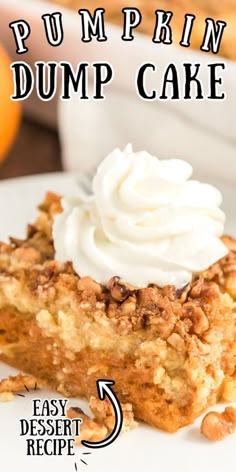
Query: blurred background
{"type": "Point", "coordinates": [35, 150]}
{"type": "Point", "coordinates": [38, 137]}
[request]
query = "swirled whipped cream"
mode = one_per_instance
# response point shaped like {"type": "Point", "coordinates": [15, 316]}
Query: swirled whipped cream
{"type": "Point", "coordinates": [145, 222]}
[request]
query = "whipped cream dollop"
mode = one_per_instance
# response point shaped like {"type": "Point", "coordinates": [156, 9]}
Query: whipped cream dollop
{"type": "Point", "coordinates": [145, 221]}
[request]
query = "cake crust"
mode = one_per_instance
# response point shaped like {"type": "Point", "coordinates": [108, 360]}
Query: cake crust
{"type": "Point", "coordinates": [170, 352]}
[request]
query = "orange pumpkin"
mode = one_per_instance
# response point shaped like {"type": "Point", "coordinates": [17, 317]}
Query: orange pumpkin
{"type": "Point", "coordinates": [10, 112]}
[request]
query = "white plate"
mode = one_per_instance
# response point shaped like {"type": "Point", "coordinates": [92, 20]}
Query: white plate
{"type": "Point", "coordinates": [142, 449]}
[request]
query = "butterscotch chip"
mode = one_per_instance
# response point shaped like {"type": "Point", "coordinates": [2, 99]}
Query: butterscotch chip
{"type": "Point", "coordinates": [119, 290]}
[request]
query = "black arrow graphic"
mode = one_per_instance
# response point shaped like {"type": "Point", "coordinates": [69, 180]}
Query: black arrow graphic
{"type": "Point", "coordinates": [104, 388]}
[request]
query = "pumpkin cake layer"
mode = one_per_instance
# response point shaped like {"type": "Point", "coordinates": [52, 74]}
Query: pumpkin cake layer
{"type": "Point", "coordinates": [170, 352]}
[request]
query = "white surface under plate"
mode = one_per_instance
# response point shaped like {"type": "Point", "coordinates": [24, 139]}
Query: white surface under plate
{"type": "Point", "coordinates": [142, 449]}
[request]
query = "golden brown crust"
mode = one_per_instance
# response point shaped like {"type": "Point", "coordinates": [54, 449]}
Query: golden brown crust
{"type": "Point", "coordinates": [202, 9]}
{"type": "Point", "coordinates": [171, 352]}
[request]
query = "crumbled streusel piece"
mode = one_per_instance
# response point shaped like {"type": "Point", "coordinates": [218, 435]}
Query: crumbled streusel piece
{"type": "Point", "coordinates": [14, 384]}
{"type": "Point", "coordinates": [103, 412]}
{"type": "Point", "coordinates": [102, 424]}
{"type": "Point", "coordinates": [217, 426]}
{"type": "Point", "coordinates": [90, 430]}
{"type": "Point", "coordinates": [6, 397]}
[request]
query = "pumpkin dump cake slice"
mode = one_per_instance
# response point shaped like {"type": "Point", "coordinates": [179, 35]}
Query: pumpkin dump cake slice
{"type": "Point", "coordinates": [171, 351]}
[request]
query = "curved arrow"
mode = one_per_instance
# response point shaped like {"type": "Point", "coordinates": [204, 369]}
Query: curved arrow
{"type": "Point", "coordinates": [104, 388]}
